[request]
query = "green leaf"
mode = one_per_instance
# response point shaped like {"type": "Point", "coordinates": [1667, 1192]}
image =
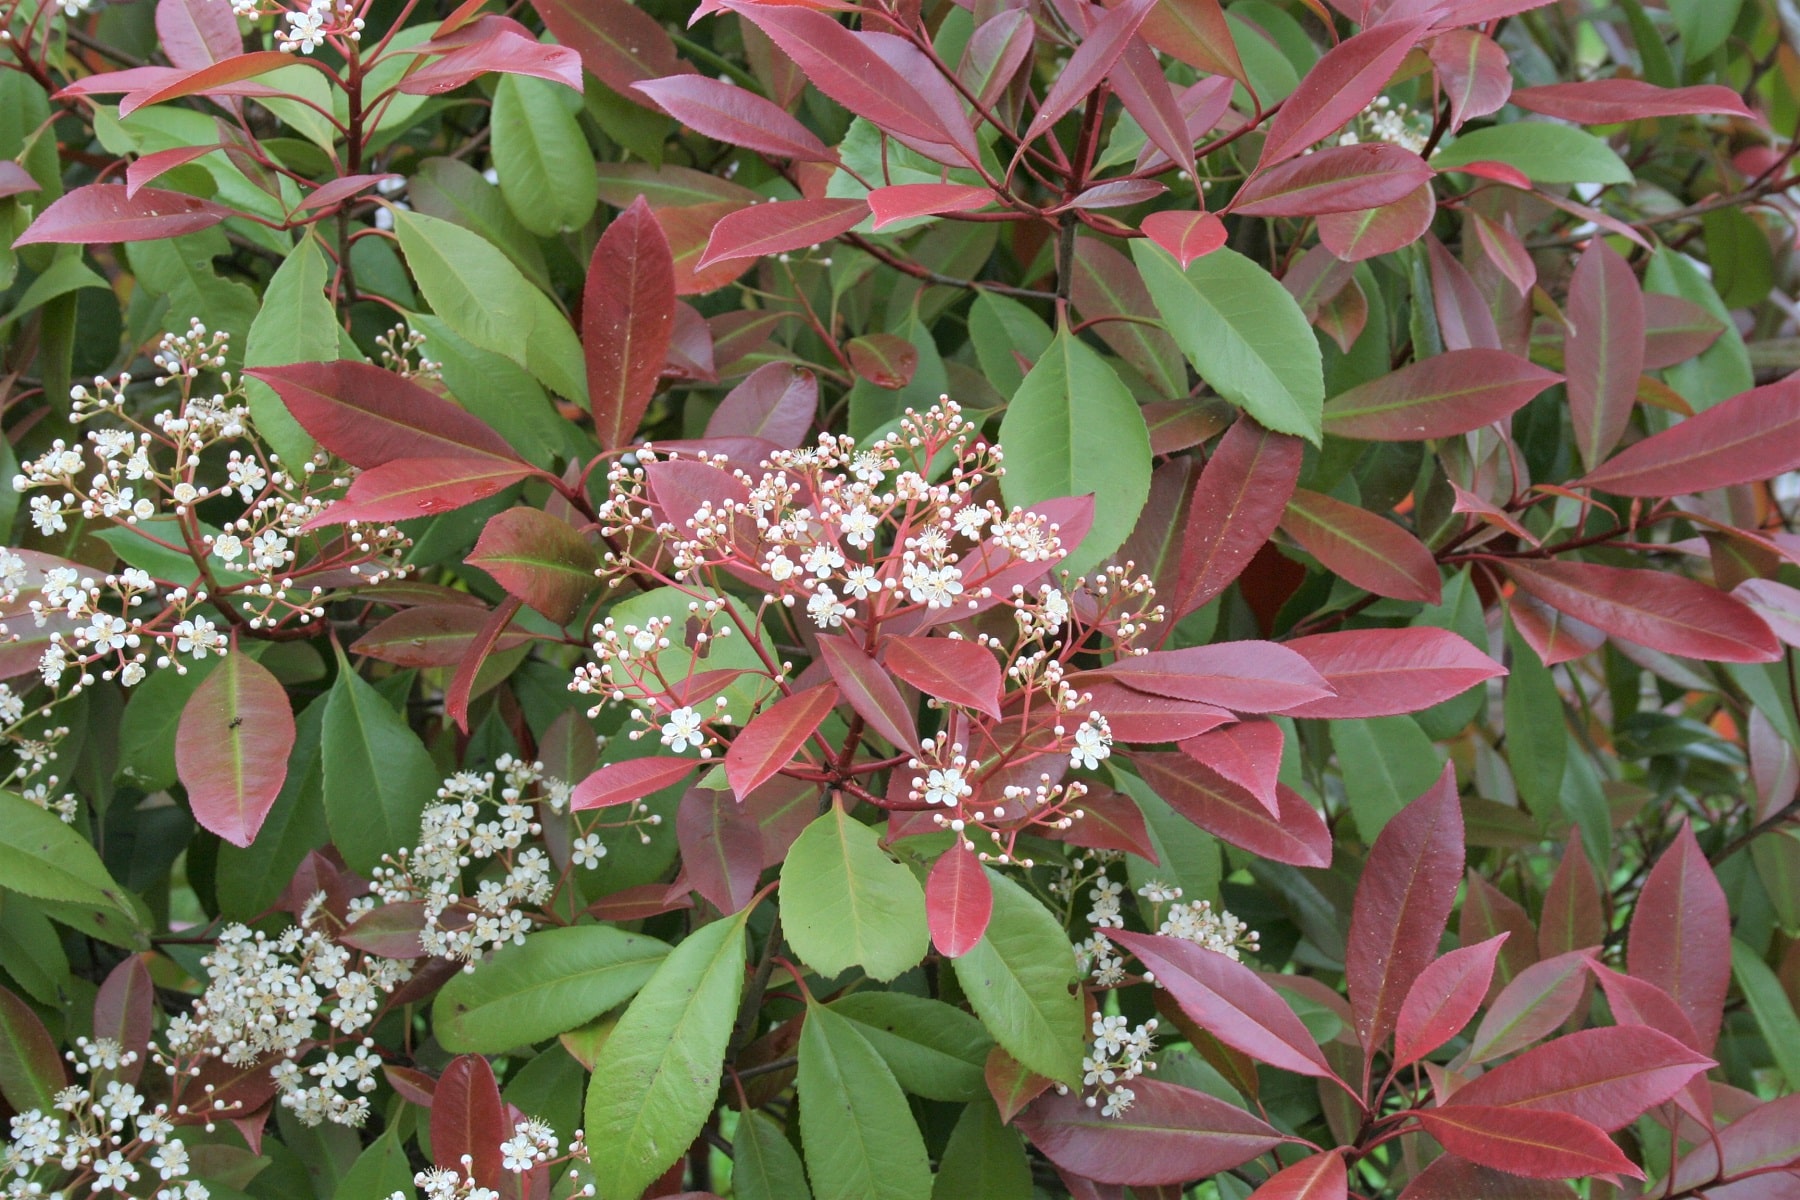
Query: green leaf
{"type": "Point", "coordinates": [378, 776]}
{"type": "Point", "coordinates": [1723, 369]}
{"type": "Point", "coordinates": [1018, 980]}
{"type": "Point", "coordinates": [381, 1170]}
{"type": "Point", "coordinates": [1704, 24]}
{"type": "Point", "coordinates": [296, 324]}
{"type": "Point", "coordinates": [1387, 762]}
{"type": "Point", "coordinates": [503, 394]}
{"type": "Point", "coordinates": [557, 979]}
{"type": "Point", "coordinates": [1000, 328]}
{"type": "Point", "coordinates": [1738, 249]}
{"type": "Point", "coordinates": [1537, 744]}
{"type": "Point", "coordinates": [452, 190]}
{"type": "Point", "coordinates": [1770, 1006]}
{"type": "Point", "coordinates": [1243, 332]}
{"type": "Point", "coordinates": [934, 1050]}
{"type": "Point", "coordinates": [1073, 428]}
{"type": "Point", "coordinates": [147, 730]}
{"type": "Point", "coordinates": [764, 1164]}
{"type": "Point", "coordinates": [985, 1160]}
{"type": "Point", "coordinates": [32, 951]}
{"type": "Point", "coordinates": [845, 903]}
{"type": "Point", "coordinates": [43, 858]}
{"type": "Point", "coordinates": [860, 1137]}
{"type": "Point", "coordinates": [1545, 152]}
{"type": "Point", "coordinates": [546, 171]}
{"type": "Point", "coordinates": [658, 1074]}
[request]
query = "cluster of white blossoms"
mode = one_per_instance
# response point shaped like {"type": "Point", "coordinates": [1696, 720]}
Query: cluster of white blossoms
{"type": "Point", "coordinates": [1195, 921]}
{"type": "Point", "coordinates": [1120, 1054]}
{"type": "Point", "coordinates": [308, 28]}
{"type": "Point", "coordinates": [532, 1145]}
{"type": "Point", "coordinates": [1384, 120]}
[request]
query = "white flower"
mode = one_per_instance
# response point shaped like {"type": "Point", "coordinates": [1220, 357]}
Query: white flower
{"type": "Point", "coordinates": [859, 525]}
{"type": "Point", "coordinates": [1105, 913]}
{"type": "Point", "coordinates": [860, 582]}
{"type": "Point", "coordinates": [779, 567]}
{"type": "Point", "coordinates": [970, 521]}
{"type": "Point", "coordinates": [306, 30]}
{"type": "Point", "coordinates": [196, 636]}
{"type": "Point", "coordinates": [946, 786]}
{"type": "Point", "coordinates": [106, 632]}
{"type": "Point", "coordinates": [114, 1172]}
{"type": "Point", "coordinates": [47, 515]}
{"type": "Point", "coordinates": [588, 851]}
{"type": "Point", "coordinates": [822, 558]}
{"type": "Point", "coordinates": [228, 547]}
{"type": "Point", "coordinates": [1093, 742]}
{"type": "Point", "coordinates": [934, 587]}
{"type": "Point", "coordinates": [868, 467]}
{"type": "Point", "coordinates": [681, 730]}
{"type": "Point", "coordinates": [826, 610]}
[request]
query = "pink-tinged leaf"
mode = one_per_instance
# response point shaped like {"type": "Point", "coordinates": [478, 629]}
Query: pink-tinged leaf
{"type": "Point", "coordinates": [1680, 936]}
{"type": "Point", "coordinates": [1145, 92]}
{"type": "Point", "coordinates": [104, 212]}
{"type": "Point", "coordinates": [1611, 101]}
{"type": "Point", "coordinates": [1538, 1145]}
{"type": "Point", "coordinates": [958, 901]}
{"type": "Point", "coordinates": [904, 200]}
{"type": "Point", "coordinates": [391, 930]}
{"type": "Point", "coordinates": [538, 558]}
{"type": "Point", "coordinates": [1203, 105]}
{"type": "Point", "coordinates": [1371, 232]}
{"type": "Point", "coordinates": [872, 695]}
{"type": "Point", "coordinates": [1443, 999]}
{"type": "Point", "coordinates": [507, 51]}
{"type": "Point", "coordinates": [1010, 1084]}
{"type": "Point", "coordinates": [407, 488]}
{"type": "Point", "coordinates": [213, 78]}
{"type": "Point", "coordinates": [690, 356]}
{"type": "Point", "coordinates": [1749, 438]}
{"type": "Point", "coordinates": [1169, 1134]}
{"type": "Point", "coordinates": [1341, 85]}
{"type": "Point", "coordinates": [1196, 32]}
{"type": "Point", "coordinates": [1468, 502]}
{"type": "Point", "coordinates": [1651, 608]}
{"type": "Point", "coordinates": [1603, 352]}
{"type": "Point", "coordinates": [1090, 63]}
{"type": "Point", "coordinates": [468, 671]}
{"type": "Point", "coordinates": [1464, 319]}
{"type": "Point", "coordinates": [367, 416]}
{"type": "Point", "coordinates": [1451, 1178]}
{"type": "Point", "coordinates": [734, 114]}
{"type": "Point", "coordinates": [339, 190]}
{"type": "Point", "coordinates": [1606, 1076]}
{"type": "Point", "coordinates": [1573, 916]}
{"type": "Point", "coordinates": [627, 317]}
{"type": "Point", "coordinates": [1321, 1177]}
{"type": "Point", "coordinates": [953, 670]}
{"type": "Point", "coordinates": [1186, 235]}
{"type": "Point", "coordinates": [153, 166]}
{"type": "Point", "coordinates": [1535, 1003]}
{"type": "Point", "coordinates": [1474, 73]}
{"type": "Point", "coordinates": [1248, 676]}
{"type": "Point", "coordinates": [1386, 672]}
{"type": "Point", "coordinates": [1110, 821]}
{"type": "Point", "coordinates": [430, 635]}
{"type": "Point", "coordinates": [1767, 1136]}
{"type": "Point", "coordinates": [1247, 753]}
{"type": "Point", "coordinates": [772, 738]}
{"type": "Point", "coordinates": [1140, 717]}
{"type": "Point", "coordinates": [1473, 12]}
{"type": "Point", "coordinates": [1776, 603]}
{"type": "Point", "coordinates": [1229, 1001]}
{"type": "Point", "coordinates": [886, 360]}
{"type": "Point", "coordinates": [231, 747]}
{"type": "Point", "coordinates": [1556, 637]}
{"type": "Point", "coordinates": [1506, 252]}
{"type": "Point", "coordinates": [31, 1070]}
{"type": "Point", "coordinates": [997, 49]}
{"type": "Point", "coordinates": [631, 779]}
{"type": "Point", "coordinates": [638, 903]}
{"type": "Point", "coordinates": [954, 143]}
{"type": "Point", "coordinates": [779, 227]}
{"type": "Point", "coordinates": [16, 180]}
{"type": "Point", "coordinates": [1243, 490]}
{"type": "Point", "coordinates": [468, 1119]}
{"type": "Point", "coordinates": [618, 42]}
{"type": "Point", "coordinates": [1488, 912]}
{"type": "Point", "coordinates": [124, 1010]}
{"type": "Point", "coordinates": [776, 402]}
{"type": "Point", "coordinates": [1365, 548]}
{"type": "Point", "coordinates": [1441, 396]}
{"type": "Point", "coordinates": [721, 847]}
{"type": "Point", "coordinates": [197, 33]}
{"type": "Point", "coordinates": [1297, 835]}
{"type": "Point", "coordinates": [1334, 180]}
{"type": "Point", "coordinates": [1675, 330]}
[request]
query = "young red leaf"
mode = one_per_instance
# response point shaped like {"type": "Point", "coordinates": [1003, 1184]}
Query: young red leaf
{"type": "Point", "coordinates": [1488, 912]}
{"type": "Point", "coordinates": [1464, 319]}
{"type": "Point", "coordinates": [31, 1070]}
{"type": "Point", "coordinates": [1539, 1145]}
{"type": "Point", "coordinates": [16, 180]}
{"type": "Point", "coordinates": [1139, 717]}
{"type": "Point", "coordinates": [392, 930]}
{"type": "Point", "coordinates": [776, 402]}
{"type": "Point", "coordinates": [1680, 937]}
{"type": "Point", "coordinates": [1451, 1178]}
{"type": "Point", "coordinates": [407, 488]}
{"type": "Point", "coordinates": [886, 360]}
{"type": "Point", "coordinates": [1675, 330]}
{"type": "Point", "coordinates": [721, 847]}
{"type": "Point", "coordinates": [1297, 835]}
{"type": "Point", "coordinates": [1090, 63]}
{"type": "Point", "coordinates": [1604, 350]}
{"type": "Point", "coordinates": [1365, 548]}
{"type": "Point", "coordinates": [1657, 609]}
{"type": "Point", "coordinates": [1243, 490]}
{"type": "Point", "coordinates": [538, 558]}
{"type": "Point", "coordinates": [1444, 999]}
{"type": "Point", "coordinates": [1610, 101]}
{"type": "Point", "coordinates": [1507, 252]}
{"type": "Point", "coordinates": [462, 683]}
{"type": "Point", "coordinates": [1605, 1076]}
{"type": "Point", "coordinates": [1110, 821]}
{"type": "Point", "coordinates": [772, 738]}
{"type": "Point", "coordinates": [1247, 753]}
{"type": "Point", "coordinates": [627, 316]}
{"type": "Point", "coordinates": [213, 78]}
{"type": "Point", "coordinates": [1371, 232]}
{"type": "Point", "coordinates": [431, 635]}
{"type": "Point", "coordinates": [1535, 1003]}
{"type": "Point", "coordinates": [468, 1120]}
{"type": "Point", "coordinates": [124, 1010]}
{"type": "Point", "coordinates": [104, 212]}
{"type": "Point", "coordinates": [1746, 439]}
{"type": "Point", "coordinates": [1473, 71]}
{"type": "Point", "coordinates": [628, 780]}
{"type": "Point", "coordinates": [1245, 676]}
{"type": "Point", "coordinates": [1196, 32]}
{"type": "Point", "coordinates": [1402, 905]}
{"type": "Point", "coordinates": [1767, 1136]}
{"type": "Point", "coordinates": [995, 52]}
{"type": "Point", "coordinates": [339, 190]}
{"type": "Point", "coordinates": [1229, 1001]}
{"type": "Point", "coordinates": [951, 669]}
{"type": "Point", "coordinates": [780, 226]}
{"type": "Point", "coordinates": [1776, 603]}
{"type": "Point", "coordinates": [150, 167]}
{"type": "Point", "coordinates": [196, 33]}
{"type": "Point", "coordinates": [734, 114]}
{"type": "Point", "coordinates": [1169, 1134]}
{"type": "Point", "coordinates": [1321, 1177]}
{"type": "Point", "coordinates": [872, 695]}
{"type": "Point", "coordinates": [507, 50]}
{"type": "Point", "coordinates": [1336, 179]}
{"type": "Point", "coordinates": [1011, 1084]}
{"type": "Point", "coordinates": [1573, 916]}
{"type": "Point", "coordinates": [367, 416]}
{"type": "Point", "coordinates": [901, 201]}
{"type": "Point", "coordinates": [1437, 397]}
{"type": "Point", "coordinates": [1147, 95]}
{"type": "Point", "coordinates": [958, 901]}
{"type": "Point", "coordinates": [231, 747]}
{"type": "Point", "coordinates": [1386, 672]}
{"type": "Point", "coordinates": [1338, 87]}
{"type": "Point", "coordinates": [620, 43]}
{"type": "Point", "coordinates": [1186, 235]}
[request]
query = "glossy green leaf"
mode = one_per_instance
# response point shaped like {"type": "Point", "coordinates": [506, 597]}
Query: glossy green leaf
{"type": "Point", "coordinates": [377, 775]}
{"type": "Point", "coordinates": [546, 170]}
{"type": "Point", "coordinates": [984, 1160]}
{"type": "Point", "coordinates": [1536, 743]}
{"type": "Point", "coordinates": [859, 1135]}
{"type": "Point", "coordinates": [43, 858]}
{"type": "Point", "coordinates": [1770, 1005]}
{"type": "Point", "coordinates": [381, 1170]}
{"type": "Point", "coordinates": [1387, 761]}
{"type": "Point", "coordinates": [297, 323]}
{"type": "Point", "coordinates": [1018, 980]}
{"type": "Point", "coordinates": [845, 903]}
{"type": "Point", "coordinates": [764, 1164]}
{"type": "Point", "coordinates": [1546, 153]}
{"type": "Point", "coordinates": [934, 1050]}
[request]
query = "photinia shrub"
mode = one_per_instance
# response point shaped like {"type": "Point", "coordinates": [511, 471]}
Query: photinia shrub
{"type": "Point", "coordinates": [915, 601]}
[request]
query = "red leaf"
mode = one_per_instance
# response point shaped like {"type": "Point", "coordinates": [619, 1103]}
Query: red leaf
{"type": "Point", "coordinates": [1138, 717]}
{"type": "Point", "coordinates": [1147, 95]}
{"type": "Point", "coordinates": [1338, 87]}
{"type": "Point", "coordinates": [391, 931]}
{"type": "Point", "coordinates": [1247, 676]}
{"type": "Point", "coordinates": [1229, 1001]}
{"type": "Point", "coordinates": [958, 901]}
{"type": "Point", "coordinates": [1370, 232]}
{"type": "Point", "coordinates": [1680, 936]}
{"type": "Point", "coordinates": [1242, 491]}
{"type": "Point", "coordinates": [772, 738]}
{"type": "Point", "coordinates": [1675, 330]}
{"type": "Point", "coordinates": [16, 180]}
{"type": "Point", "coordinates": [367, 416]}
{"type": "Point", "coordinates": [903, 200]}
{"type": "Point", "coordinates": [1336, 179]}
{"type": "Point", "coordinates": [339, 190]}
{"type": "Point", "coordinates": [153, 166]}
{"type": "Point", "coordinates": [1651, 608]}
{"type": "Point", "coordinates": [1437, 397]}
{"type": "Point", "coordinates": [1604, 350]}
{"type": "Point", "coordinates": [1365, 548]}
{"type": "Point", "coordinates": [1606, 1076]}
{"type": "Point", "coordinates": [1297, 835]}
{"type": "Point", "coordinates": [231, 747]}
{"type": "Point", "coordinates": [1010, 1084]}
{"type": "Point", "coordinates": [431, 635]}
{"type": "Point", "coordinates": [1091, 62]}
{"type": "Point", "coordinates": [1186, 235]}
{"type": "Point", "coordinates": [1386, 672]}
{"type": "Point", "coordinates": [196, 33]}
{"type": "Point", "coordinates": [468, 1119]}
{"type": "Point", "coordinates": [1169, 1134]}
{"type": "Point", "coordinates": [1746, 439]}
{"type": "Point", "coordinates": [729, 113]}
{"type": "Point", "coordinates": [886, 360]}
{"type": "Point", "coordinates": [1110, 821]}
{"type": "Point", "coordinates": [1766, 1136]}
{"type": "Point", "coordinates": [627, 316]}
{"type": "Point", "coordinates": [1321, 1177]}
{"type": "Point", "coordinates": [721, 847]}
{"type": "Point", "coordinates": [1610, 101]}
{"type": "Point", "coordinates": [31, 1071]}
{"type": "Point", "coordinates": [951, 669]}
{"type": "Point", "coordinates": [508, 51]}
{"type": "Point", "coordinates": [1488, 912]}
{"type": "Point", "coordinates": [995, 52]}
{"type": "Point", "coordinates": [407, 488]}
{"type": "Point", "coordinates": [1539, 1145]}
{"type": "Point", "coordinates": [872, 695]}
{"type": "Point", "coordinates": [104, 213]}
{"type": "Point", "coordinates": [1464, 319]}
{"type": "Point", "coordinates": [1474, 73]}
{"type": "Point", "coordinates": [1535, 1003]}
{"type": "Point", "coordinates": [1573, 917]}
{"type": "Point", "coordinates": [1196, 32]}
{"type": "Point", "coordinates": [780, 226]}
{"type": "Point", "coordinates": [1443, 999]}
{"type": "Point", "coordinates": [776, 402]}
{"type": "Point", "coordinates": [631, 779]}
{"type": "Point", "coordinates": [1402, 905]}
{"type": "Point", "coordinates": [1247, 753]}
{"type": "Point", "coordinates": [1776, 603]}
{"type": "Point", "coordinates": [1506, 252]}
{"type": "Point", "coordinates": [213, 78]}
{"type": "Point", "coordinates": [538, 558]}
{"type": "Point", "coordinates": [1452, 1178]}
{"type": "Point", "coordinates": [124, 1010]}
{"type": "Point", "coordinates": [619, 43]}
{"type": "Point", "coordinates": [462, 684]}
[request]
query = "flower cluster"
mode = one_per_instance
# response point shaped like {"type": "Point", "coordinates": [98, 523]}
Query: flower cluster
{"type": "Point", "coordinates": [532, 1145]}
{"type": "Point", "coordinates": [1119, 1055]}
{"type": "Point", "coordinates": [1384, 120]}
